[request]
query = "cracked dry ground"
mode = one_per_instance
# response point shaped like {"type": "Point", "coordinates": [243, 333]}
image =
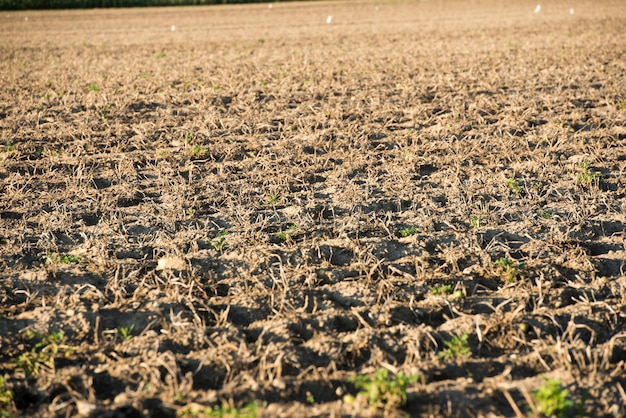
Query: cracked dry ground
{"type": "Point", "coordinates": [258, 207]}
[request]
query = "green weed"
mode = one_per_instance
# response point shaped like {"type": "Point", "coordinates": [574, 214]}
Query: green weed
{"type": "Point", "coordinates": [125, 333]}
{"type": "Point", "coordinates": [6, 400]}
{"type": "Point", "coordinates": [43, 353]}
{"type": "Point", "coordinates": [509, 269]}
{"type": "Point", "coordinates": [587, 178]}
{"type": "Point", "coordinates": [286, 234]}
{"type": "Point", "coordinates": [60, 258]}
{"type": "Point", "coordinates": [224, 411]}
{"type": "Point", "coordinates": [189, 213]}
{"type": "Point", "coordinates": [383, 391]}
{"type": "Point", "coordinates": [552, 400]}
{"type": "Point", "coordinates": [621, 105]}
{"type": "Point", "coordinates": [408, 231]}
{"type": "Point", "coordinates": [514, 186]}
{"type": "Point", "coordinates": [272, 199]}
{"type": "Point", "coordinates": [219, 242]}
{"type": "Point", "coordinates": [545, 214]}
{"type": "Point", "coordinates": [198, 151]}
{"type": "Point", "coordinates": [445, 289]}
{"type": "Point", "coordinates": [456, 347]}
{"type": "Point", "coordinates": [10, 149]}
{"type": "Point", "coordinates": [475, 221]}
{"type": "Point", "coordinates": [93, 87]}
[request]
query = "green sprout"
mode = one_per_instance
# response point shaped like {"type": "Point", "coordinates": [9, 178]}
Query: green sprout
{"type": "Point", "coordinates": [125, 333]}
{"type": "Point", "coordinates": [475, 221]}
{"type": "Point", "coordinates": [552, 400]}
{"type": "Point", "coordinates": [247, 411]}
{"type": "Point", "coordinates": [445, 289]}
{"type": "Point", "coordinates": [382, 391]}
{"type": "Point", "coordinates": [93, 87]}
{"type": "Point", "coordinates": [286, 234]}
{"type": "Point", "coordinates": [455, 347]}
{"type": "Point", "coordinates": [587, 178]}
{"type": "Point", "coordinates": [514, 186]}
{"type": "Point", "coordinates": [272, 199]}
{"type": "Point", "coordinates": [408, 231]}
{"type": "Point", "coordinates": [9, 148]}
{"type": "Point", "coordinates": [546, 214]}
{"type": "Point", "coordinates": [219, 242]}
{"type": "Point", "coordinates": [621, 105]}
{"type": "Point", "coordinates": [198, 151]}
{"type": "Point", "coordinates": [508, 268]}
{"type": "Point", "coordinates": [224, 411]}
{"type": "Point", "coordinates": [6, 400]}
{"type": "Point", "coordinates": [60, 258]}
{"type": "Point", "coordinates": [43, 353]}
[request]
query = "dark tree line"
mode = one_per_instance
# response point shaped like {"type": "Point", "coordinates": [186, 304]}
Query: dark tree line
{"type": "Point", "coordinates": [86, 4]}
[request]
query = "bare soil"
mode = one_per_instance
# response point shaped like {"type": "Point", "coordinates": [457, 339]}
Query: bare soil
{"type": "Point", "coordinates": [224, 205]}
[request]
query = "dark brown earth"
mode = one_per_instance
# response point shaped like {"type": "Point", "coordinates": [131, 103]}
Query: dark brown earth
{"type": "Point", "coordinates": [249, 209]}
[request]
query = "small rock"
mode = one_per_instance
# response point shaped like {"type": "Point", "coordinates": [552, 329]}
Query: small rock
{"type": "Point", "coordinates": [121, 399]}
{"type": "Point", "coordinates": [279, 384]}
{"type": "Point", "coordinates": [171, 263]}
{"type": "Point", "coordinates": [84, 408]}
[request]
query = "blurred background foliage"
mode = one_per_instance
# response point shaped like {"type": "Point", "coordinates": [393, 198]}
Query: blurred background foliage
{"type": "Point", "coordinates": [83, 4]}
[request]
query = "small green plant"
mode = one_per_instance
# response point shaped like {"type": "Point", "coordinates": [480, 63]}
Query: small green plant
{"type": "Point", "coordinates": [189, 213]}
{"type": "Point", "coordinates": [43, 353]}
{"type": "Point", "coordinates": [247, 411]}
{"type": "Point", "coordinates": [621, 105]}
{"type": "Point", "coordinates": [9, 148]}
{"type": "Point", "coordinates": [198, 151]}
{"type": "Point", "coordinates": [407, 155]}
{"type": "Point", "coordinates": [587, 178]}
{"type": "Point", "coordinates": [538, 186]}
{"type": "Point", "coordinates": [125, 333]}
{"type": "Point", "coordinates": [224, 411]}
{"type": "Point", "coordinates": [383, 391]}
{"type": "Point", "coordinates": [219, 242]}
{"type": "Point", "coordinates": [310, 398]}
{"type": "Point", "coordinates": [93, 87]}
{"type": "Point", "coordinates": [551, 399]}
{"type": "Point", "coordinates": [514, 186]}
{"type": "Point", "coordinates": [408, 231]}
{"type": "Point", "coordinates": [160, 55]}
{"type": "Point", "coordinates": [6, 400]}
{"type": "Point", "coordinates": [475, 221]}
{"type": "Point", "coordinates": [445, 289]}
{"type": "Point", "coordinates": [509, 269]}
{"type": "Point", "coordinates": [272, 199]}
{"type": "Point", "coordinates": [545, 214]}
{"type": "Point", "coordinates": [60, 258]}
{"type": "Point", "coordinates": [455, 347]}
{"type": "Point", "coordinates": [286, 234]}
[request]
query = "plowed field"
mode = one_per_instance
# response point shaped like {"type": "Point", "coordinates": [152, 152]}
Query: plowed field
{"type": "Point", "coordinates": [314, 209]}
